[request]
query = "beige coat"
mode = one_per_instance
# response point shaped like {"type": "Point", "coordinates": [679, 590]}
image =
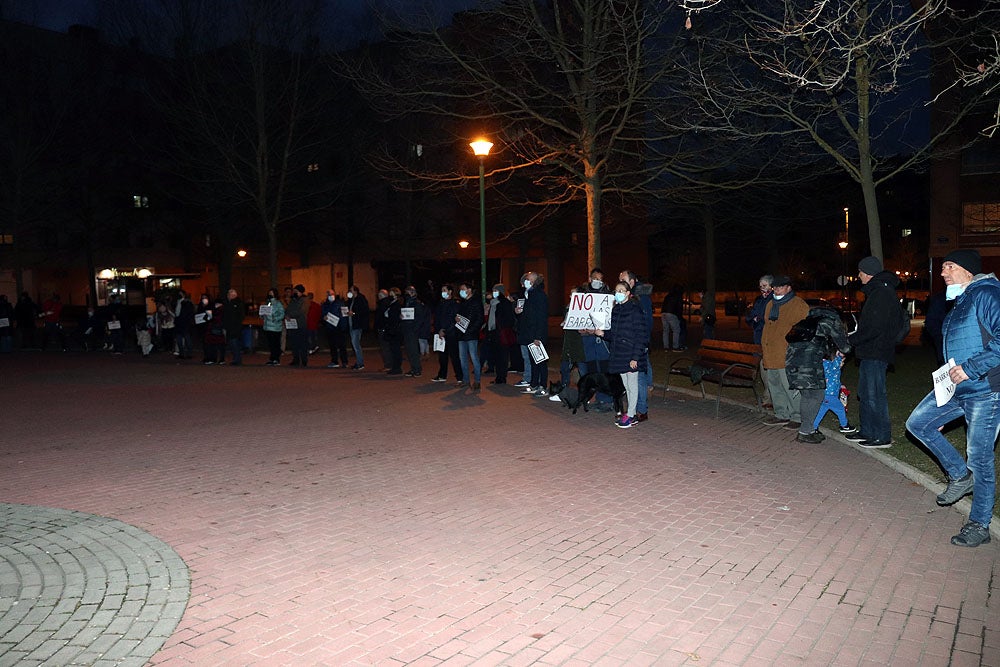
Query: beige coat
{"type": "Point", "coordinates": [773, 339]}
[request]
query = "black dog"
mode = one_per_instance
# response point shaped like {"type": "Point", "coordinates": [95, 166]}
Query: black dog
{"type": "Point", "coordinates": [605, 383]}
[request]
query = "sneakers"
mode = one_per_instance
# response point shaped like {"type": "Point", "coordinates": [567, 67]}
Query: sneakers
{"type": "Point", "coordinates": [333, 365]}
{"type": "Point", "coordinates": [875, 444]}
{"type": "Point", "coordinates": [460, 383]}
{"type": "Point", "coordinates": [793, 426]}
{"type": "Point", "coordinates": [522, 384]}
{"type": "Point", "coordinates": [438, 379]}
{"type": "Point", "coordinates": [855, 437]}
{"type": "Point", "coordinates": [972, 535]}
{"type": "Point", "coordinates": [411, 374]}
{"type": "Point", "coordinates": [541, 391]}
{"type": "Point", "coordinates": [848, 429]}
{"type": "Point", "coordinates": [957, 489]}
{"type": "Point", "coordinates": [528, 389]}
{"type": "Point", "coordinates": [813, 438]}
{"type": "Point", "coordinates": [774, 421]}
{"type": "Point", "coordinates": [555, 398]}
{"type": "Point", "coordinates": [626, 422]}
{"type": "Point", "coordinates": [358, 367]}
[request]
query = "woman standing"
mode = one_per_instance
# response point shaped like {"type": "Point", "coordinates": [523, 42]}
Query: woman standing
{"type": "Point", "coordinates": [627, 338]}
{"type": "Point", "coordinates": [274, 322]}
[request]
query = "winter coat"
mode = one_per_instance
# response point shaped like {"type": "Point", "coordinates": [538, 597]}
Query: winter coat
{"type": "Point", "coordinates": [389, 319]}
{"type": "Point", "coordinates": [471, 308]}
{"type": "Point", "coordinates": [419, 326]}
{"type": "Point", "coordinates": [334, 307]}
{"type": "Point", "coordinates": [755, 316]}
{"type": "Point", "coordinates": [976, 309]}
{"type": "Point", "coordinates": [358, 305]}
{"type": "Point", "coordinates": [642, 292]}
{"type": "Point", "coordinates": [297, 310]}
{"type": "Point", "coordinates": [232, 317]}
{"type": "Point", "coordinates": [444, 316]}
{"type": "Point", "coordinates": [804, 358]}
{"type": "Point", "coordinates": [534, 322]}
{"type": "Point", "coordinates": [276, 320]}
{"type": "Point", "coordinates": [791, 309]}
{"type": "Point", "coordinates": [185, 316]}
{"type": "Point", "coordinates": [878, 323]}
{"type": "Point", "coordinates": [627, 338]}
{"type": "Point", "coordinates": [314, 314]}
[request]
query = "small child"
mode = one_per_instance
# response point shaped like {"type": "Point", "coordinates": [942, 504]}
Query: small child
{"type": "Point", "coordinates": [831, 395]}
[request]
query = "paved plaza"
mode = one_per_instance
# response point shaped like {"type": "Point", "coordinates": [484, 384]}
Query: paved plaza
{"type": "Point", "coordinates": [168, 514]}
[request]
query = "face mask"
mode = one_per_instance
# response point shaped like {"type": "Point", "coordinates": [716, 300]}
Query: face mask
{"type": "Point", "coordinates": [951, 292]}
{"type": "Point", "coordinates": [464, 294]}
{"type": "Point", "coordinates": [204, 302]}
{"type": "Point", "coordinates": [445, 295]}
{"type": "Point", "coordinates": [496, 294]}
{"type": "Point", "coordinates": [619, 297]}
{"type": "Point", "coordinates": [778, 297]}
{"type": "Point", "coordinates": [350, 295]}
{"type": "Point", "coordinates": [597, 284]}
{"type": "Point", "coordinates": [527, 284]}
{"type": "Point", "coordinates": [329, 297]}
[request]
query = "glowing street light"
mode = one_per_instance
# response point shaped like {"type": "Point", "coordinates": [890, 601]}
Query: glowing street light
{"type": "Point", "coordinates": [481, 148]}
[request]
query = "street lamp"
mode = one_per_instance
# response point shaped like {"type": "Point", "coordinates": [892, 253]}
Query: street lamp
{"type": "Point", "coordinates": [481, 148]}
{"type": "Point", "coordinates": [843, 268]}
{"type": "Point", "coordinates": [242, 254]}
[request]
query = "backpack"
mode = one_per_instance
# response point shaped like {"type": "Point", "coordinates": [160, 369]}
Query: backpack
{"type": "Point", "coordinates": [903, 329]}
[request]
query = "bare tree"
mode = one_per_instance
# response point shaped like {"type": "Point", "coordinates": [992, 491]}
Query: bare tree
{"type": "Point", "coordinates": [568, 91]}
{"type": "Point", "coordinates": [844, 75]}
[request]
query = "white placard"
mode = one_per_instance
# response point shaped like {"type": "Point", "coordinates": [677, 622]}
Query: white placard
{"type": "Point", "coordinates": [944, 388]}
{"type": "Point", "coordinates": [438, 343]}
{"type": "Point", "coordinates": [4, 322]}
{"type": "Point", "coordinates": [114, 324]}
{"type": "Point", "coordinates": [520, 304]}
{"type": "Point", "coordinates": [406, 313]}
{"type": "Point", "coordinates": [589, 311]}
{"type": "Point", "coordinates": [345, 311]}
{"type": "Point", "coordinates": [332, 319]}
{"type": "Point", "coordinates": [200, 318]}
{"type": "Point", "coordinates": [292, 324]}
{"type": "Point", "coordinates": [461, 323]}
{"type": "Point", "coordinates": [538, 352]}
{"type": "Point", "coordinates": [265, 310]}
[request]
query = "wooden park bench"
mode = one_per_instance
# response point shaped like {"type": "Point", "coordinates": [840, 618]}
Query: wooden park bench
{"type": "Point", "coordinates": [725, 362]}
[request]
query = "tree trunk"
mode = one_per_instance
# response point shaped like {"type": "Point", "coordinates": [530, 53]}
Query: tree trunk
{"type": "Point", "coordinates": [593, 190]}
{"type": "Point", "coordinates": [272, 254]}
{"type": "Point", "coordinates": [708, 300]}
{"type": "Point", "coordinates": [862, 76]}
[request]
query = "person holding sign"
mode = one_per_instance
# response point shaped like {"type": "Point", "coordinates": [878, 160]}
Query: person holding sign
{"type": "Point", "coordinates": [335, 325]}
{"type": "Point", "coordinates": [7, 324]}
{"type": "Point", "coordinates": [533, 329]}
{"type": "Point", "coordinates": [296, 314]}
{"type": "Point", "coordinates": [469, 322]}
{"type": "Point", "coordinates": [415, 322]}
{"type": "Point", "coordinates": [444, 324]}
{"type": "Point", "coordinates": [273, 314]}
{"type": "Point", "coordinates": [972, 340]}
{"type": "Point", "coordinates": [627, 337]}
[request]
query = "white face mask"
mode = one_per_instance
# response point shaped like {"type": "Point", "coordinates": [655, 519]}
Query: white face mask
{"type": "Point", "coordinates": [496, 294]}
{"type": "Point", "coordinates": [462, 293]}
{"type": "Point", "coordinates": [329, 297]}
{"type": "Point", "coordinates": [350, 295]}
{"type": "Point", "coordinates": [527, 284]}
{"type": "Point", "coordinates": [445, 295]}
{"type": "Point", "coordinates": [778, 297]}
{"type": "Point", "coordinates": [597, 284]}
{"type": "Point", "coordinates": [952, 292]}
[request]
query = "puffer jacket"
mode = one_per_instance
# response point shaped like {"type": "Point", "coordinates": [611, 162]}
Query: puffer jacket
{"type": "Point", "coordinates": [804, 359]}
{"type": "Point", "coordinates": [627, 337]}
{"type": "Point", "coordinates": [879, 320]}
{"type": "Point", "coordinates": [276, 320]}
{"type": "Point", "coordinates": [978, 305]}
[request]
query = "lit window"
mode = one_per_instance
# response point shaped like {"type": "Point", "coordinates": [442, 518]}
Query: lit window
{"type": "Point", "coordinates": [907, 232]}
{"type": "Point", "coordinates": [139, 201]}
{"type": "Point", "coordinates": [981, 218]}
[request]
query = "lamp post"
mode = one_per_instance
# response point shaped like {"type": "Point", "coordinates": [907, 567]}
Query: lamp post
{"type": "Point", "coordinates": [242, 254]}
{"type": "Point", "coordinates": [481, 148]}
{"type": "Point", "coordinates": [843, 269]}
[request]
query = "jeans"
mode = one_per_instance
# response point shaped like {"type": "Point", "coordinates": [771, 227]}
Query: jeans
{"type": "Point", "coordinates": [873, 414]}
{"type": "Point", "coordinates": [645, 382]}
{"type": "Point", "coordinates": [236, 348]}
{"type": "Point", "coordinates": [359, 357]}
{"type": "Point", "coordinates": [184, 344]}
{"type": "Point", "coordinates": [566, 369]}
{"type": "Point", "coordinates": [526, 357]}
{"type": "Point", "coordinates": [982, 415]}
{"type": "Point", "coordinates": [467, 349]}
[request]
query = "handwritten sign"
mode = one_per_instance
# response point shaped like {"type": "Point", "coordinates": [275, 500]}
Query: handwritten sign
{"type": "Point", "coordinates": [944, 388]}
{"type": "Point", "coordinates": [589, 311]}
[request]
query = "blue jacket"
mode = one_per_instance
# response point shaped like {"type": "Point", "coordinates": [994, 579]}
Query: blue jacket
{"type": "Point", "coordinates": [628, 337]}
{"type": "Point", "coordinates": [336, 307]}
{"type": "Point", "coordinates": [755, 316]}
{"type": "Point", "coordinates": [978, 305]}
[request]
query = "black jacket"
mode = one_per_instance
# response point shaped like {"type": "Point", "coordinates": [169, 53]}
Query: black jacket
{"type": "Point", "coordinates": [879, 321]}
{"type": "Point", "coordinates": [471, 308]}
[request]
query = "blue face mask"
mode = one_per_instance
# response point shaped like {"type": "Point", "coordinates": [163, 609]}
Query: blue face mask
{"type": "Point", "coordinates": [527, 284]}
{"type": "Point", "coordinates": [952, 292]}
{"type": "Point", "coordinates": [445, 295]}
{"type": "Point", "coordinates": [496, 294]}
{"type": "Point", "coordinates": [619, 297]}
{"type": "Point", "coordinates": [462, 293]}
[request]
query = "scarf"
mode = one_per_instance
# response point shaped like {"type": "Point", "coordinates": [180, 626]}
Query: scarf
{"type": "Point", "coordinates": [491, 324]}
{"type": "Point", "coordinates": [776, 304]}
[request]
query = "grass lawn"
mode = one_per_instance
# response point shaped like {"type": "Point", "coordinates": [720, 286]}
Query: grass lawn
{"type": "Point", "coordinates": [908, 382]}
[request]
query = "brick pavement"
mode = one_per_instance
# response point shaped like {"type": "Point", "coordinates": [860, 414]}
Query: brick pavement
{"type": "Point", "coordinates": [335, 518]}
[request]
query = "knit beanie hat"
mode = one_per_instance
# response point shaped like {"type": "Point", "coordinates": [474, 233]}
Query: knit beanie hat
{"type": "Point", "coordinates": [967, 259]}
{"type": "Point", "coordinates": [870, 265]}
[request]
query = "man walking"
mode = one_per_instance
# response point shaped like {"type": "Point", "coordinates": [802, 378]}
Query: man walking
{"type": "Point", "coordinates": [874, 344]}
{"type": "Point", "coordinates": [780, 314]}
{"type": "Point", "coordinates": [972, 339]}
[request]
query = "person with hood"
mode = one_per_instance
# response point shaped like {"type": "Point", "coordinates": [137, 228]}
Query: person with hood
{"type": "Point", "coordinates": [972, 339]}
{"type": "Point", "coordinates": [274, 324]}
{"type": "Point", "coordinates": [819, 337]}
{"type": "Point", "coordinates": [470, 311]}
{"type": "Point", "coordinates": [296, 316]}
{"type": "Point", "coordinates": [358, 314]}
{"type": "Point", "coordinates": [874, 344]}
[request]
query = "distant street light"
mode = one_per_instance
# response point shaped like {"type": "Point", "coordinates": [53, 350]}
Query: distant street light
{"type": "Point", "coordinates": [844, 279]}
{"type": "Point", "coordinates": [481, 148]}
{"type": "Point", "coordinates": [463, 244]}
